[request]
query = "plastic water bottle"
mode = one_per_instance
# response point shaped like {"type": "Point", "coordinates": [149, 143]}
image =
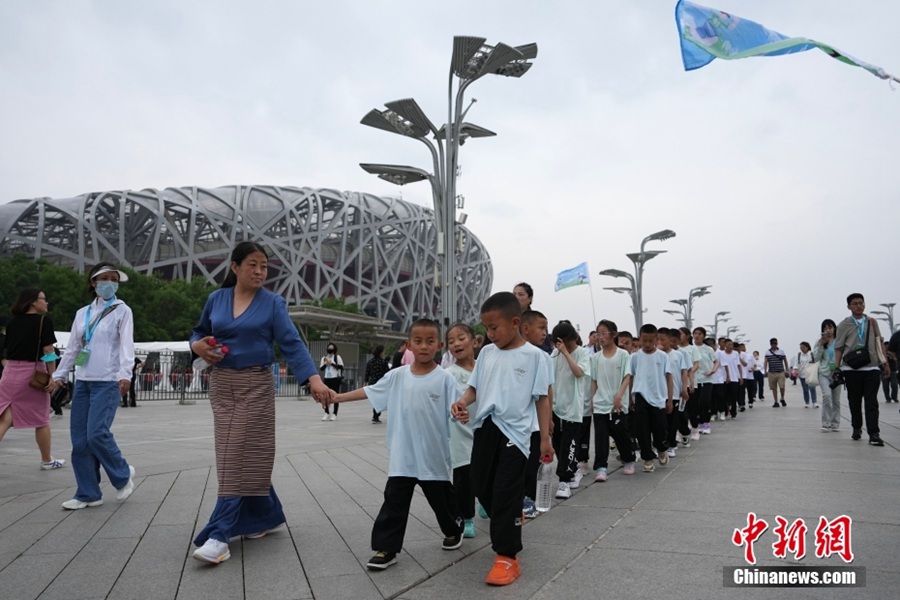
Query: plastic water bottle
{"type": "Point", "coordinates": [201, 364]}
{"type": "Point", "coordinates": [544, 485]}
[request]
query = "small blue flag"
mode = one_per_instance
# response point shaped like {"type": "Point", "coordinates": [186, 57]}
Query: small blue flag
{"type": "Point", "coordinates": [707, 34]}
{"type": "Point", "coordinates": [577, 275]}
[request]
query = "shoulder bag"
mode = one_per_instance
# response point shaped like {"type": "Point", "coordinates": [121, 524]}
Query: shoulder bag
{"type": "Point", "coordinates": [39, 379]}
{"type": "Point", "coordinates": [859, 357]}
{"type": "Point", "coordinates": [811, 373]}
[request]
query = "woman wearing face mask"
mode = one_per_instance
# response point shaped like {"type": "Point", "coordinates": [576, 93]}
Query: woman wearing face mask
{"type": "Point", "coordinates": [332, 367]}
{"type": "Point", "coordinates": [101, 349]}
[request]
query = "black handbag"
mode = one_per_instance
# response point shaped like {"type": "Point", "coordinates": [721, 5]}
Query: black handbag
{"type": "Point", "coordinates": [859, 357]}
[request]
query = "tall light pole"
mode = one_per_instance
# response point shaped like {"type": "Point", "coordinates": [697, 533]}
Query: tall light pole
{"type": "Point", "coordinates": [715, 327]}
{"type": "Point", "coordinates": [730, 330]}
{"type": "Point", "coordinates": [687, 304]}
{"type": "Point", "coordinates": [471, 60]}
{"type": "Point", "coordinates": [639, 259]}
{"type": "Point", "coordinates": [888, 315]}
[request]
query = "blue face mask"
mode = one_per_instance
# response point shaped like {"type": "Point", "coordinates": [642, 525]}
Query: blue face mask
{"type": "Point", "coordinates": [107, 289]}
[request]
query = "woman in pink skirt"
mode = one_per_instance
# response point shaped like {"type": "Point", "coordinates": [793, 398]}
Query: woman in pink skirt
{"type": "Point", "coordinates": [29, 347]}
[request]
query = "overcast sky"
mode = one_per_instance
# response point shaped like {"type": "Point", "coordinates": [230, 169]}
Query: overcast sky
{"type": "Point", "coordinates": [779, 175]}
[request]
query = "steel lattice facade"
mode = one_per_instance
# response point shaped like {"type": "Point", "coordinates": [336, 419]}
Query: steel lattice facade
{"type": "Point", "coordinates": [379, 253]}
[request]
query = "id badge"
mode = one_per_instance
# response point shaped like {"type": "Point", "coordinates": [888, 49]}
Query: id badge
{"type": "Point", "coordinates": [82, 357]}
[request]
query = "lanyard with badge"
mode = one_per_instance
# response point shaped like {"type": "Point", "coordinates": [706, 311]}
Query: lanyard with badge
{"type": "Point", "coordinates": [860, 330]}
{"type": "Point", "coordinates": [89, 330]}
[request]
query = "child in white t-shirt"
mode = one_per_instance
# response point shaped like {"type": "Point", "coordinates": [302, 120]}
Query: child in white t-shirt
{"type": "Point", "coordinates": [611, 380]}
{"type": "Point", "coordinates": [653, 391]}
{"type": "Point", "coordinates": [417, 398]}
{"type": "Point", "coordinates": [461, 346]}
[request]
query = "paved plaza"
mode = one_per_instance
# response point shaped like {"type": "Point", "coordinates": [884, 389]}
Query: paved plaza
{"type": "Point", "coordinates": [660, 535]}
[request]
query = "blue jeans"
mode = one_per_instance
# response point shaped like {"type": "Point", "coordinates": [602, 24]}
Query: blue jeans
{"type": "Point", "coordinates": [94, 405]}
{"type": "Point", "coordinates": [809, 391]}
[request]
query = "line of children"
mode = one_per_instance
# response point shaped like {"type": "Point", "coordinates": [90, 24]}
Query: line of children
{"type": "Point", "coordinates": [473, 429]}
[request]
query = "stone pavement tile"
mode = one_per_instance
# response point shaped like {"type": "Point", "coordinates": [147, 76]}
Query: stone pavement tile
{"type": "Point", "coordinates": [17, 508]}
{"type": "Point", "coordinates": [162, 549]}
{"type": "Point", "coordinates": [28, 575]}
{"type": "Point", "coordinates": [272, 568]}
{"type": "Point", "coordinates": [183, 504]}
{"type": "Point", "coordinates": [21, 537]}
{"type": "Point", "coordinates": [538, 561]}
{"type": "Point", "coordinates": [344, 587]}
{"type": "Point", "coordinates": [571, 524]}
{"type": "Point", "coordinates": [158, 585]}
{"type": "Point", "coordinates": [152, 489]}
{"type": "Point", "coordinates": [94, 570]}
{"type": "Point", "coordinates": [328, 562]}
{"type": "Point", "coordinates": [131, 519]}
{"type": "Point", "coordinates": [204, 581]}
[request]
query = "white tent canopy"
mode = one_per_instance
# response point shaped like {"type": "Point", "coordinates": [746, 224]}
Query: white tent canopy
{"type": "Point", "coordinates": [142, 348]}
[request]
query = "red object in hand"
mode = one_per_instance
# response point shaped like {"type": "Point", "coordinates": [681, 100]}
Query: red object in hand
{"type": "Point", "coordinates": [224, 349]}
{"type": "Point", "coordinates": [211, 341]}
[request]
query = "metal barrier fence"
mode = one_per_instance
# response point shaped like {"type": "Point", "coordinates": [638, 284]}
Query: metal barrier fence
{"type": "Point", "coordinates": [168, 375]}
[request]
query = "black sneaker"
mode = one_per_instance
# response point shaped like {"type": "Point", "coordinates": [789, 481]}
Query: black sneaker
{"type": "Point", "coordinates": [783, 403]}
{"type": "Point", "coordinates": [857, 434]}
{"type": "Point", "coordinates": [381, 560]}
{"type": "Point", "coordinates": [452, 542]}
{"type": "Point", "coordinates": [775, 405]}
{"type": "Point", "coordinates": [875, 440]}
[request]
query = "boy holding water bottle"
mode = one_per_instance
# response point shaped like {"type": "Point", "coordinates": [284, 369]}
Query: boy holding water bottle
{"type": "Point", "coordinates": [510, 382]}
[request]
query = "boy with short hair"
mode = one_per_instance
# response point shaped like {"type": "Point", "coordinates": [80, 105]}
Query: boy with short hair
{"type": "Point", "coordinates": [418, 398]}
{"type": "Point", "coordinates": [534, 331]}
{"type": "Point", "coordinates": [571, 381]}
{"type": "Point", "coordinates": [653, 391]}
{"type": "Point", "coordinates": [701, 402]}
{"type": "Point", "coordinates": [733, 377]}
{"type": "Point", "coordinates": [681, 366]}
{"type": "Point", "coordinates": [610, 380]}
{"type": "Point", "coordinates": [510, 382]}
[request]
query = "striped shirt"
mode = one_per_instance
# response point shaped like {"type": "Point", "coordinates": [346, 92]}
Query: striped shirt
{"type": "Point", "coordinates": [775, 361]}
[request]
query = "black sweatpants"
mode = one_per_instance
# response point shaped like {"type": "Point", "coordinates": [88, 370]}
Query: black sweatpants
{"type": "Point", "coordinates": [706, 406]}
{"type": "Point", "coordinates": [613, 425]}
{"type": "Point", "coordinates": [719, 404]}
{"type": "Point", "coordinates": [334, 383]}
{"type": "Point", "coordinates": [693, 408]}
{"type": "Point", "coordinates": [677, 421]}
{"type": "Point", "coordinates": [565, 440]}
{"type": "Point", "coordinates": [732, 393]}
{"type": "Point", "coordinates": [498, 478]}
{"type": "Point", "coordinates": [583, 451]}
{"type": "Point", "coordinates": [862, 398]}
{"type": "Point", "coordinates": [390, 524]}
{"type": "Point", "coordinates": [652, 427]}
{"type": "Point", "coordinates": [462, 489]}
{"type": "Point", "coordinates": [750, 390]}
{"type": "Point", "coordinates": [534, 464]}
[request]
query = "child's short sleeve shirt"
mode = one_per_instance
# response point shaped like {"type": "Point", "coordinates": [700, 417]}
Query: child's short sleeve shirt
{"type": "Point", "coordinates": [507, 384]}
{"type": "Point", "coordinates": [649, 376]}
{"type": "Point", "coordinates": [569, 392]}
{"type": "Point", "coordinates": [418, 427]}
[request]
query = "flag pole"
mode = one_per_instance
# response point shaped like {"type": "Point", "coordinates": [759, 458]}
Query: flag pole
{"type": "Point", "coordinates": [593, 308]}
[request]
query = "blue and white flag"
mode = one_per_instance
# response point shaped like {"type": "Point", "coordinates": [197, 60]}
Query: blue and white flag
{"type": "Point", "coordinates": [708, 33]}
{"type": "Point", "coordinates": [577, 275]}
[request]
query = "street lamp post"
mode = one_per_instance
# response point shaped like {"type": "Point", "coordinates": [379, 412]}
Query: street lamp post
{"type": "Point", "coordinates": [719, 319]}
{"type": "Point", "coordinates": [639, 259]}
{"type": "Point", "coordinates": [730, 330]}
{"type": "Point", "coordinates": [471, 60]}
{"type": "Point", "coordinates": [888, 315]}
{"type": "Point", "coordinates": [687, 304]}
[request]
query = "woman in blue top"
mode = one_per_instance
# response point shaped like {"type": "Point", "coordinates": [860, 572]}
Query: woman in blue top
{"type": "Point", "coordinates": [248, 319]}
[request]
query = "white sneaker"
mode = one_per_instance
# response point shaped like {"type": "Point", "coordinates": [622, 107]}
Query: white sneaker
{"type": "Point", "coordinates": [325, 417]}
{"type": "Point", "coordinates": [53, 463]}
{"type": "Point", "coordinates": [670, 452]}
{"type": "Point", "coordinates": [332, 418]}
{"type": "Point", "coordinates": [213, 551]}
{"type": "Point", "coordinates": [721, 416]}
{"type": "Point", "coordinates": [714, 417]}
{"type": "Point", "coordinates": [576, 480]}
{"type": "Point", "coordinates": [563, 492]}
{"type": "Point", "coordinates": [129, 487]}
{"type": "Point", "coordinates": [583, 468]}
{"type": "Point", "coordinates": [74, 504]}
{"type": "Point", "coordinates": [695, 434]}
{"type": "Point", "coordinates": [686, 441]}
{"type": "Point", "coordinates": [663, 458]}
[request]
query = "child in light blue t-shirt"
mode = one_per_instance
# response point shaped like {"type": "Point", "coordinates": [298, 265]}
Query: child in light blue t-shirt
{"type": "Point", "coordinates": [653, 389]}
{"type": "Point", "coordinates": [417, 398]}
{"type": "Point", "coordinates": [510, 383]}
{"type": "Point", "coordinates": [461, 346]}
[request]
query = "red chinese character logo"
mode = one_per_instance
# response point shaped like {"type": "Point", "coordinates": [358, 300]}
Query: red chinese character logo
{"type": "Point", "coordinates": [791, 538]}
{"type": "Point", "coordinates": [833, 537]}
{"type": "Point", "coordinates": [748, 535]}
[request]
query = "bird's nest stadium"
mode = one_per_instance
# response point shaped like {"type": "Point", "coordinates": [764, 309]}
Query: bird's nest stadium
{"type": "Point", "coordinates": [378, 253]}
